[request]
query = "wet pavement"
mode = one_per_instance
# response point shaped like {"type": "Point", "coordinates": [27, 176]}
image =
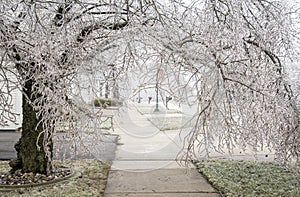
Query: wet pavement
{"type": "Point", "coordinates": [7, 142]}
{"type": "Point", "coordinates": [91, 146]}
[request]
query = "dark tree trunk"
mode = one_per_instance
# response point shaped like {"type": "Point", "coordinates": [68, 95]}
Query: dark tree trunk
{"type": "Point", "coordinates": [31, 156]}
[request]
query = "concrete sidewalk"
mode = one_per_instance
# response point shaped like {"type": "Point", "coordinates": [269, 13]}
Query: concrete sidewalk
{"type": "Point", "coordinates": [145, 163]}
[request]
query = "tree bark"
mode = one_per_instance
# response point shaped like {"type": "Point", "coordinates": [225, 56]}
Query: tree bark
{"type": "Point", "coordinates": [31, 155]}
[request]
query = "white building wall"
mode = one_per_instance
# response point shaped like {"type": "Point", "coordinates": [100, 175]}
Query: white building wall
{"type": "Point", "coordinates": [16, 107]}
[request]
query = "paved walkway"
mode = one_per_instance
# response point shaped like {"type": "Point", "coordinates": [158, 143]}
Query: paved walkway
{"type": "Point", "coordinates": [145, 162]}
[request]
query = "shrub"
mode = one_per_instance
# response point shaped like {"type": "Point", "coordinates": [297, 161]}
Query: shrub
{"type": "Point", "coordinates": [107, 102]}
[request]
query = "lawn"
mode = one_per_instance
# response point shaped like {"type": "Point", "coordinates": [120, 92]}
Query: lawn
{"type": "Point", "coordinates": [164, 119]}
{"type": "Point", "coordinates": [90, 181]}
{"type": "Point", "coordinates": [251, 178]}
{"type": "Point", "coordinates": [170, 121]}
{"type": "Point", "coordinates": [150, 108]}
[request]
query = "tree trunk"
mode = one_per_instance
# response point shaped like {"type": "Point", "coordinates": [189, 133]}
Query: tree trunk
{"type": "Point", "coordinates": [30, 157]}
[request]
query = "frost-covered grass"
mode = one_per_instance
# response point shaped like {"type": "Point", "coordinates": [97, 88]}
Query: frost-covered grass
{"type": "Point", "coordinates": [165, 119]}
{"type": "Point", "coordinates": [250, 178]}
{"type": "Point", "coordinates": [150, 108]}
{"type": "Point", "coordinates": [170, 122]}
{"type": "Point", "coordinates": [91, 182]}
{"type": "Point", "coordinates": [106, 123]}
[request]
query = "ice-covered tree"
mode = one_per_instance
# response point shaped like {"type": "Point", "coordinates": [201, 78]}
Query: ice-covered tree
{"type": "Point", "coordinates": [230, 52]}
{"type": "Point", "coordinates": [234, 54]}
{"type": "Point", "coordinates": [45, 45]}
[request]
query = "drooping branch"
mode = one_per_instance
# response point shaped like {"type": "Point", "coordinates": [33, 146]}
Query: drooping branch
{"type": "Point", "coordinates": [275, 59]}
{"type": "Point", "coordinates": [59, 18]}
{"type": "Point", "coordinates": [108, 26]}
